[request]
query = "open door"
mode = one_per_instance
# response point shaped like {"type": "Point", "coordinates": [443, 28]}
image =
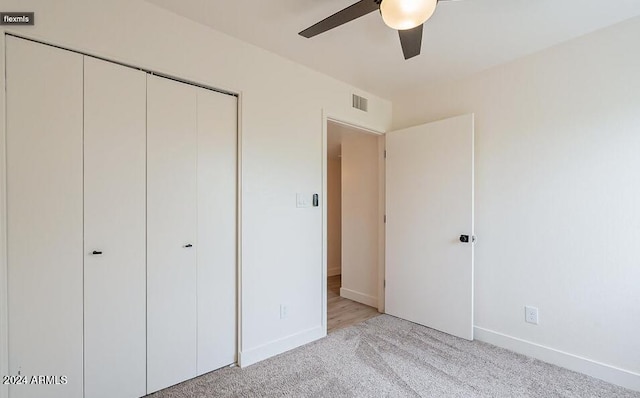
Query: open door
{"type": "Point", "coordinates": [429, 230]}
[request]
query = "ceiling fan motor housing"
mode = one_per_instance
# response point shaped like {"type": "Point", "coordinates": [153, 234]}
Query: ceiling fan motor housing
{"type": "Point", "coordinates": [406, 16]}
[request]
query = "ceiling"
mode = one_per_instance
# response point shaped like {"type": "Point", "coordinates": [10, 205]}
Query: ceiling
{"type": "Point", "coordinates": [461, 39]}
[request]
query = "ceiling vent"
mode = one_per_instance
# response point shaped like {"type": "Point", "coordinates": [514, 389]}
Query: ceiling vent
{"type": "Point", "coordinates": [360, 103]}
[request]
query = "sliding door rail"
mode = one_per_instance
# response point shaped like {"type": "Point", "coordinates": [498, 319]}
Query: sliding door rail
{"type": "Point", "coordinates": [152, 72]}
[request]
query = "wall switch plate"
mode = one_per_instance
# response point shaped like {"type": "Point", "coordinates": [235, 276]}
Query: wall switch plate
{"type": "Point", "coordinates": [284, 311]}
{"type": "Point", "coordinates": [302, 200]}
{"type": "Point", "coordinates": [531, 315]}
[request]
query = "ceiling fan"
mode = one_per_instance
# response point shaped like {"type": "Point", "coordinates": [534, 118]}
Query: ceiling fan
{"type": "Point", "coordinates": [406, 16]}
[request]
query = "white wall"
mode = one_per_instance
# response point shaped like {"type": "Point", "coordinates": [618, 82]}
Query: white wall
{"type": "Point", "coordinates": [281, 147]}
{"type": "Point", "coordinates": [360, 217]}
{"type": "Point", "coordinates": [334, 216]}
{"type": "Point", "coordinates": [557, 198]}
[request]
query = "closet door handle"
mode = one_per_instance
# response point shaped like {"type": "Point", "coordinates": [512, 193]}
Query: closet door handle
{"type": "Point", "coordinates": [188, 245]}
{"type": "Point", "coordinates": [95, 252]}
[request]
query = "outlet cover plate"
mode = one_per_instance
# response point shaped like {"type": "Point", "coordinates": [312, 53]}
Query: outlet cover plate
{"type": "Point", "coordinates": [531, 315]}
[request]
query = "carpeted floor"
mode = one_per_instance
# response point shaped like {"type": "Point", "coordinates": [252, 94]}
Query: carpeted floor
{"type": "Point", "coordinates": [389, 357]}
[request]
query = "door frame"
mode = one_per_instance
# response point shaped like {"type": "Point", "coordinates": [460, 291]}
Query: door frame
{"type": "Point", "coordinates": [4, 294]}
{"type": "Point", "coordinates": [327, 117]}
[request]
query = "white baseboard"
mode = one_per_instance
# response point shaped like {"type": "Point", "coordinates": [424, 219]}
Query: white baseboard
{"type": "Point", "coordinates": [333, 271]}
{"type": "Point", "coordinates": [573, 362]}
{"type": "Point", "coordinates": [260, 353]}
{"type": "Point", "coordinates": [359, 297]}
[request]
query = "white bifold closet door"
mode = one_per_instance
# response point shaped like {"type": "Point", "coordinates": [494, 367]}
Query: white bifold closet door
{"type": "Point", "coordinates": [121, 227]}
{"type": "Point", "coordinates": [115, 229]}
{"type": "Point", "coordinates": [171, 232]}
{"type": "Point", "coordinates": [191, 224]}
{"type": "Point", "coordinates": [217, 149]}
{"type": "Point", "coordinates": [44, 223]}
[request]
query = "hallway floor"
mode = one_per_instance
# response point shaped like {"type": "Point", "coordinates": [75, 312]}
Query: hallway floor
{"type": "Point", "coordinates": [342, 312]}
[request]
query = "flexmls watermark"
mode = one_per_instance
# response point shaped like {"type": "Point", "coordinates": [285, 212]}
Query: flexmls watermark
{"type": "Point", "coordinates": [17, 18]}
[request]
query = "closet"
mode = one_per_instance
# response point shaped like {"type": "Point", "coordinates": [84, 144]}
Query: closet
{"type": "Point", "coordinates": [121, 226]}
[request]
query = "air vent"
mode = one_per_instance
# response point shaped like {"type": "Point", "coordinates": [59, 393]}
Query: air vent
{"type": "Point", "coordinates": [360, 103]}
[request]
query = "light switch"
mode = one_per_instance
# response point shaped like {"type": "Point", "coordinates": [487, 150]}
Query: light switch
{"type": "Point", "coordinates": [302, 200]}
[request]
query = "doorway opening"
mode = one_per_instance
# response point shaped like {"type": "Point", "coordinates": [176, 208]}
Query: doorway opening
{"type": "Point", "coordinates": [355, 203]}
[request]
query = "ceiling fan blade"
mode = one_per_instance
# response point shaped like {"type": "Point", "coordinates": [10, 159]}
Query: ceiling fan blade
{"type": "Point", "coordinates": [357, 10]}
{"type": "Point", "coordinates": [411, 40]}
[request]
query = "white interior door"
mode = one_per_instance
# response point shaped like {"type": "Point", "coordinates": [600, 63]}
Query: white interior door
{"type": "Point", "coordinates": [216, 248]}
{"type": "Point", "coordinates": [115, 230]}
{"type": "Point", "coordinates": [44, 223]}
{"type": "Point", "coordinates": [429, 205]}
{"type": "Point", "coordinates": [171, 232]}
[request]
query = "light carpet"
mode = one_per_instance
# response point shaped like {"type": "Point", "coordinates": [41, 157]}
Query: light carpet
{"type": "Point", "coordinates": [390, 357]}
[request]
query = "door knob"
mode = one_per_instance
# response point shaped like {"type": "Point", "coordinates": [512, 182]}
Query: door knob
{"type": "Point", "coordinates": [188, 245]}
{"type": "Point", "coordinates": [467, 238]}
{"type": "Point", "coordinates": [95, 252]}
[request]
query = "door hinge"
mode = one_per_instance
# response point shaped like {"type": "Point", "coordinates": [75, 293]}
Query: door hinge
{"type": "Point", "coordinates": [385, 153]}
{"type": "Point", "coordinates": [385, 218]}
{"type": "Point", "coordinates": [384, 283]}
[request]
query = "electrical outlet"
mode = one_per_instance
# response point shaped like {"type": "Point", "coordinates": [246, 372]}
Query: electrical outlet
{"type": "Point", "coordinates": [531, 315]}
{"type": "Point", "coordinates": [284, 311]}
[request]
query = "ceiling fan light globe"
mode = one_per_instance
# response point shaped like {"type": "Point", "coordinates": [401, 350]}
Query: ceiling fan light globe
{"type": "Point", "coordinates": [406, 14]}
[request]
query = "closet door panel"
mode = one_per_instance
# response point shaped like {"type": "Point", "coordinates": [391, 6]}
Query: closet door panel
{"type": "Point", "coordinates": [217, 158]}
{"type": "Point", "coordinates": [115, 226]}
{"type": "Point", "coordinates": [171, 228]}
{"type": "Point", "coordinates": [44, 223]}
